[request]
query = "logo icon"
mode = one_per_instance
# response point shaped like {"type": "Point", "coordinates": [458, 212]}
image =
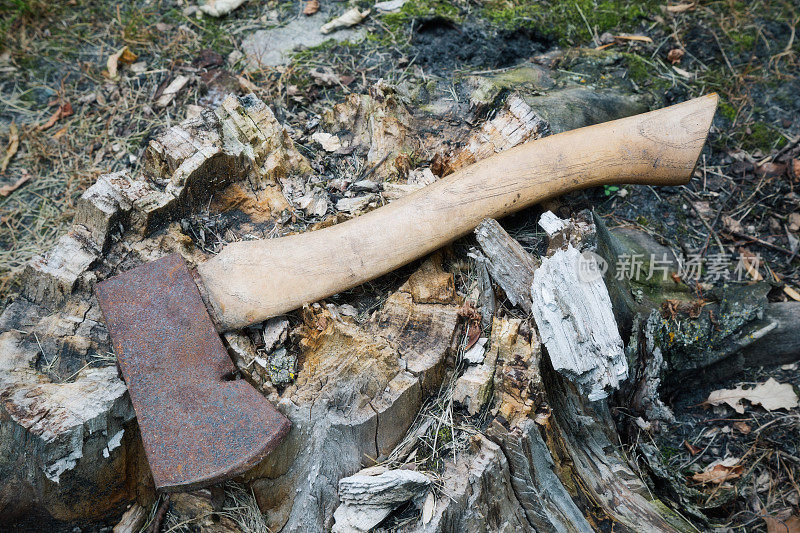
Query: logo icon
{"type": "Point", "coordinates": [591, 267]}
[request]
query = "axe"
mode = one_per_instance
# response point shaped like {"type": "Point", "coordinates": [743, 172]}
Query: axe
{"type": "Point", "coordinates": [199, 426]}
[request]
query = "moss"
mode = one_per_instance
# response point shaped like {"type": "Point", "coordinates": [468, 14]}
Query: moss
{"type": "Point", "coordinates": [761, 136]}
{"type": "Point", "coordinates": [742, 41]}
{"type": "Point", "coordinates": [568, 22]}
{"type": "Point", "coordinates": [727, 110]}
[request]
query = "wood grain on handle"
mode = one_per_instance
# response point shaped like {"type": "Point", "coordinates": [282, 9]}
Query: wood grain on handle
{"type": "Point", "coordinates": [251, 281]}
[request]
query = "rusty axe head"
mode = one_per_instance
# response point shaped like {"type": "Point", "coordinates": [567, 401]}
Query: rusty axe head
{"type": "Point", "coordinates": [198, 426]}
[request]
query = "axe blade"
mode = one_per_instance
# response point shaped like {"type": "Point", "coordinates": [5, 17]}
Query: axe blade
{"type": "Point", "coordinates": [198, 427]}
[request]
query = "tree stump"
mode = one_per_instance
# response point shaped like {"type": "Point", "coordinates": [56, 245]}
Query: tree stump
{"type": "Point", "coordinates": [367, 377]}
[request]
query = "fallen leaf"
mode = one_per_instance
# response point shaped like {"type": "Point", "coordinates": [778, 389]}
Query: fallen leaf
{"type": "Point", "coordinates": [13, 146]}
{"type": "Point", "coordinates": [329, 143]}
{"type": "Point", "coordinates": [64, 110]}
{"type": "Point", "coordinates": [794, 221]}
{"type": "Point", "coordinates": [770, 395]}
{"type": "Point", "coordinates": [217, 8]}
{"type": "Point", "coordinates": [324, 76]}
{"type": "Point", "coordinates": [796, 167]}
{"type": "Point", "coordinates": [684, 73]}
{"type": "Point", "coordinates": [640, 38]}
{"type": "Point", "coordinates": [681, 8]}
{"type": "Point", "coordinates": [311, 7]}
{"type": "Point", "coordinates": [693, 450]}
{"type": "Point", "coordinates": [776, 525]}
{"type": "Point", "coordinates": [675, 55]}
{"type": "Point", "coordinates": [750, 262]}
{"type": "Point", "coordinates": [731, 224]}
{"type": "Point", "coordinates": [347, 19]}
{"type": "Point", "coordinates": [719, 472]}
{"type": "Point", "coordinates": [5, 190]}
{"type": "Point", "coordinates": [791, 293]}
{"type": "Point", "coordinates": [122, 57]}
{"type": "Point", "coordinates": [770, 170]}
{"type": "Point", "coordinates": [742, 427]}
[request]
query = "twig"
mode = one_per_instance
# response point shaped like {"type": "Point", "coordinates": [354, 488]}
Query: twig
{"type": "Point", "coordinates": [762, 242]}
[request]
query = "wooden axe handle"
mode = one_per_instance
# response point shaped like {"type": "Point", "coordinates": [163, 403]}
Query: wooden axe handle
{"type": "Point", "coordinates": [251, 281]}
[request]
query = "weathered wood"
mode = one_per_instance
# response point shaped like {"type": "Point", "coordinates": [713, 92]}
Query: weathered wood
{"type": "Point", "coordinates": [577, 324]}
{"type": "Point", "coordinates": [369, 498]}
{"type": "Point", "coordinates": [508, 263]}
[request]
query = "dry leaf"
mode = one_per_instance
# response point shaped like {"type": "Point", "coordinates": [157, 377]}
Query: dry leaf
{"type": "Point", "coordinates": [719, 472]}
{"type": "Point", "coordinates": [217, 8]}
{"type": "Point", "coordinates": [776, 525]}
{"type": "Point", "coordinates": [791, 293]}
{"type": "Point", "coordinates": [329, 143]}
{"type": "Point", "coordinates": [64, 110]}
{"type": "Point", "coordinates": [750, 263]}
{"type": "Point", "coordinates": [13, 146]}
{"type": "Point", "coordinates": [122, 57]}
{"type": "Point", "coordinates": [742, 427]}
{"type": "Point", "coordinates": [640, 38]}
{"type": "Point", "coordinates": [428, 508]}
{"type": "Point", "coordinates": [348, 18]}
{"type": "Point", "coordinates": [693, 450]}
{"type": "Point", "coordinates": [681, 8]}
{"type": "Point", "coordinates": [794, 221]}
{"type": "Point", "coordinates": [796, 167]}
{"type": "Point", "coordinates": [5, 190]}
{"type": "Point", "coordinates": [686, 74]}
{"type": "Point", "coordinates": [770, 395]}
{"type": "Point", "coordinates": [675, 55]}
{"type": "Point", "coordinates": [311, 7]}
{"type": "Point", "coordinates": [731, 224]}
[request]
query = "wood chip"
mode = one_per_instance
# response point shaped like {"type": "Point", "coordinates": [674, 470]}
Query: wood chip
{"type": "Point", "coordinates": [171, 91]}
{"type": "Point", "coordinates": [13, 146]}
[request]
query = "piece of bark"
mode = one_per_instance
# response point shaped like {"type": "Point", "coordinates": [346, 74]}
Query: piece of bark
{"type": "Point", "coordinates": [132, 521]}
{"type": "Point", "coordinates": [420, 319]}
{"type": "Point", "coordinates": [576, 322]}
{"type": "Point", "coordinates": [513, 124]}
{"type": "Point", "coordinates": [368, 499]}
{"type": "Point", "coordinates": [510, 266]}
{"type": "Point", "coordinates": [487, 302]}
